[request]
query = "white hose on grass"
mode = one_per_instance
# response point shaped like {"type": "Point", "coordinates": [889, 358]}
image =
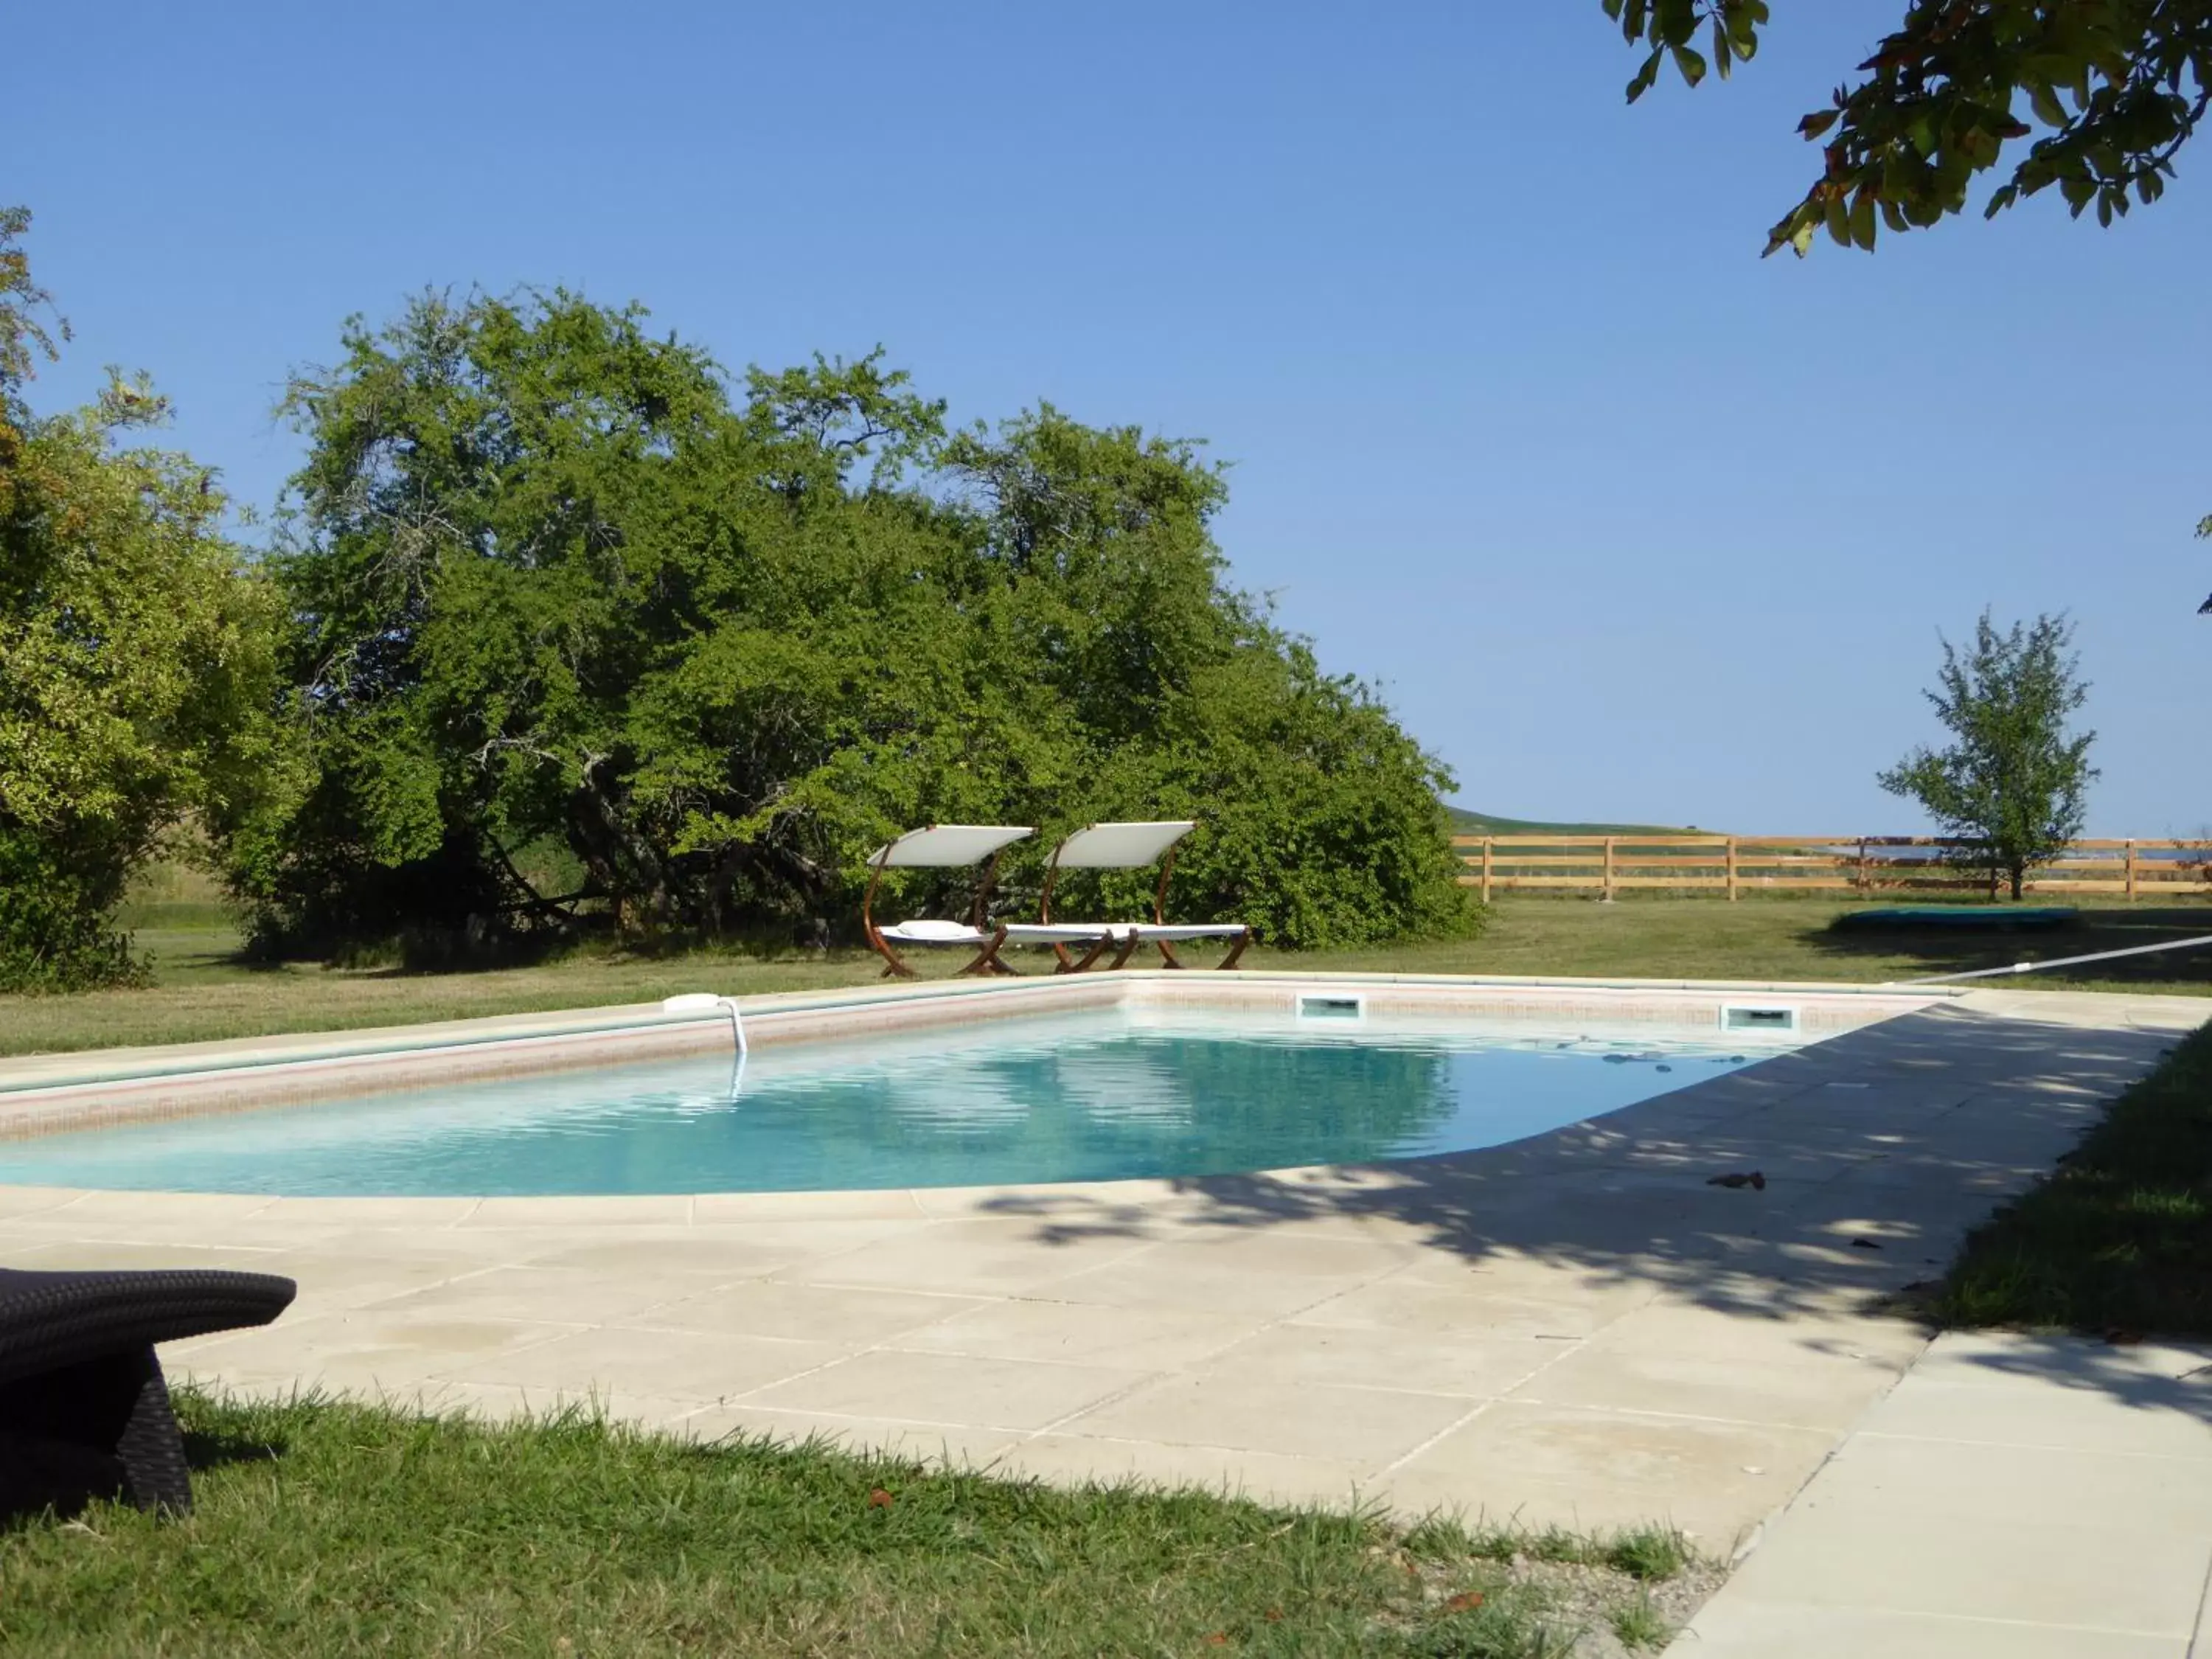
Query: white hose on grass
{"type": "Point", "coordinates": [2059, 962]}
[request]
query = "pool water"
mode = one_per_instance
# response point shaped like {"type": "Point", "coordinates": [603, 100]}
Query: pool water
{"type": "Point", "coordinates": [1091, 1097]}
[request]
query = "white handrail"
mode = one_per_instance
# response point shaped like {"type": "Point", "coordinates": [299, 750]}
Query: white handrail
{"type": "Point", "coordinates": [699, 1002]}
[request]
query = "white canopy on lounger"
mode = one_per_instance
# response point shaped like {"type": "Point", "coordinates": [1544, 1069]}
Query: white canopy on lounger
{"type": "Point", "coordinates": [1120, 846]}
{"type": "Point", "coordinates": [946, 845]}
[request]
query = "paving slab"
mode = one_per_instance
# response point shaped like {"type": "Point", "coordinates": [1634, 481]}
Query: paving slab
{"type": "Point", "coordinates": [2012, 1495]}
{"type": "Point", "coordinates": [1441, 1360]}
{"type": "Point", "coordinates": [1071, 1333]}
{"type": "Point", "coordinates": [1368, 1428]}
{"type": "Point", "coordinates": [950, 1390]}
{"type": "Point", "coordinates": [1828, 1394]}
{"type": "Point", "coordinates": [1594, 1470]}
{"type": "Point", "coordinates": [823, 1313]}
{"type": "Point", "coordinates": [1737, 1627]}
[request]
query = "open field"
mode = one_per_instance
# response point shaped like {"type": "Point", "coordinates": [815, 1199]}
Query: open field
{"type": "Point", "coordinates": [203, 990]}
{"type": "Point", "coordinates": [1783, 938]}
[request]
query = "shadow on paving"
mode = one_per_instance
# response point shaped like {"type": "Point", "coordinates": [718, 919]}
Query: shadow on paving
{"type": "Point", "coordinates": [2148, 1375]}
{"type": "Point", "coordinates": [1957, 949]}
{"type": "Point", "coordinates": [1879, 1150]}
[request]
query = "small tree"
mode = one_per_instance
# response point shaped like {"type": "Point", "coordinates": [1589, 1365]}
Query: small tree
{"type": "Point", "coordinates": [2012, 784]}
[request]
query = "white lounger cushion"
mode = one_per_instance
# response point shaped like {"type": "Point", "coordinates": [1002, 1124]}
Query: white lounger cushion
{"type": "Point", "coordinates": [1083, 932]}
{"type": "Point", "coordinates": [1056, 932]}
{"type": "Point", "coordinates": [935, 932]}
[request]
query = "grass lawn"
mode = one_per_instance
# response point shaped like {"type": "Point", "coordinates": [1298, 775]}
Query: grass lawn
{"type": "Point", "coordinates": [329, 1529]}
{"type": "Point", "coordinates": [202, 990]}
{"type": "Point", "coordinates": [2118, 1238]}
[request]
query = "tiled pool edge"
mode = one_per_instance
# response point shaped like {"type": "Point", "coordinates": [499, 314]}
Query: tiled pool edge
{"type": "Point", "coordinates": [43, 1095]}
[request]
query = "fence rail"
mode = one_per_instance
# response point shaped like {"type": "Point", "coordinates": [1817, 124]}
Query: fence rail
{"type": "Point", "coordinates": [1864, 865]}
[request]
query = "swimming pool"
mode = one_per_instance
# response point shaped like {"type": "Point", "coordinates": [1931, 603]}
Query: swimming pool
{"type": "Point", "coordinates": [1106, 1094]}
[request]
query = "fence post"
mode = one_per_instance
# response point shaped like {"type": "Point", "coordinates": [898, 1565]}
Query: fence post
{"type": "Point", "coordinates": [1731, 869]}
{"type": "Point", "coordinates": [1862, 867]}
{"type": "Point", "coordinates": [1486, 843]}
{"type": "Point", "coordinates": [2131, 868]}
{"type": "Point", "coordinates": [1608, 869]}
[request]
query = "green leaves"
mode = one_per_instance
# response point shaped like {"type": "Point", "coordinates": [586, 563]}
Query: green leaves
{"type": "Point", "coordinates": [1669, 26]}
{"type": "Point", "coordinates": [557, 587]}
{"type": "Point", "coordinates": [1863, 222]}
{"type": "Point", "coordinates": [137, 658]}
{"type": "Point", "coordinates": [24, 338]}
{"type": "Point", "coordinates": [1940, 91]}
{"type": "Point", "coordinates": [1647, 76]}
{"type": "Point", "coordinates": [2013, 780]}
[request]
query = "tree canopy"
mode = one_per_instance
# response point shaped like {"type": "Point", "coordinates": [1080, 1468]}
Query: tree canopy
{"type": "Point", "coordinates": [566, 598]}
{"type": "Point", "coordinates": [2107, 91]}
{"type": "Point", "coordinates": [135, 657]}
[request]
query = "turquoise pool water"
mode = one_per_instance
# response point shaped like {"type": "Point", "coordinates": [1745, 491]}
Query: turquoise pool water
{"type": "Point", "coordinates": [1100, 1097]}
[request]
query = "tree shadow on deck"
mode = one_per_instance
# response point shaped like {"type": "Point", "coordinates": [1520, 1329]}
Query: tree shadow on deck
{"type": "Point", "coordinates": [1876, 1151]}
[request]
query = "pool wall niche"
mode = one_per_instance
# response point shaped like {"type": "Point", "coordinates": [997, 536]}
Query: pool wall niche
{"type": "Point", "coordinates": [45, 1094]}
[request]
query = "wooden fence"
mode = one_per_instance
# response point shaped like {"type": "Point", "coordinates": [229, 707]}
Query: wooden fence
{"type": "Point", "coordinates": [1864, 865]}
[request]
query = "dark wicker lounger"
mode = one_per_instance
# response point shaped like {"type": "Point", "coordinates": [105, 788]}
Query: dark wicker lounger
{"type": "Point", "coordinates": [84, 1411]}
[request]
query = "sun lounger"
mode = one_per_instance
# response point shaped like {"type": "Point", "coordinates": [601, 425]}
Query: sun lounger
{"type": "Point", "coordinates": [1125, 846]}
{"type": "Point", "coordinates": [942, 846]}
{"type": "Point", "coordinates": [1097, 937]}
{"type": "Point", "coordinates": [84, 1412]}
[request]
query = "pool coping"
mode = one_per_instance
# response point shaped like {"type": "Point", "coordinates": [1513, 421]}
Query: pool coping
{"type": "Point", "coordinates": [46, 1094]}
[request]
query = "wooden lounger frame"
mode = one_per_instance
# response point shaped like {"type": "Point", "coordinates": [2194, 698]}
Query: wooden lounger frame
{"type": "Point", "coordinates": [986, 960]}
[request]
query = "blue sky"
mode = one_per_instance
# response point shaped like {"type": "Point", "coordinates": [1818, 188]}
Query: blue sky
{"type": "Point", "coordinates": [1627, 522]}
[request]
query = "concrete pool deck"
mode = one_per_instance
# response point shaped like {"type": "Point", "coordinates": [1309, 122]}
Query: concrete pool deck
{"type": "Point", "coordinates": [1576, 1329]}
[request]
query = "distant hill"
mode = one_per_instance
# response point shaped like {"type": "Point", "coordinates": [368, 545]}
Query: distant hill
{"type": "Point", "coordinates": [1467, 822]}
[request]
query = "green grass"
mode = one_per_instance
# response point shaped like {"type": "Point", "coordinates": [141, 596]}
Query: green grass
{"type": "Point", "coordinates": [1787, 938]}
{"type": "Point", "coordinates": [204, 990]}
{"type": "Point", "coordinates": [2118, 1238]}
{"type": "Point", "coordinates": [1638, 1628]}
{"type": "Point", "coordinates": [329, 1529]}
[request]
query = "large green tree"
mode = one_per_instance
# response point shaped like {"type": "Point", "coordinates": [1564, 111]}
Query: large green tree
{"type": "Point", "coordinates": [2011, 783]}
{"type": "Point", "coordinates": [563, 591]}
{"type": "Point", "coordinates": [136, 659]}
{"type": "Point", "coordinates": [2104, 92]}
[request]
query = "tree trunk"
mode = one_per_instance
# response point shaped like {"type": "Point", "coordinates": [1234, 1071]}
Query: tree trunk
{"type": "Point", "coordinates": [2019, 881]}
{"type": "Point", "coordinates": [732, 864]}
{"type": "Point", "coordinates": [633, 873]}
